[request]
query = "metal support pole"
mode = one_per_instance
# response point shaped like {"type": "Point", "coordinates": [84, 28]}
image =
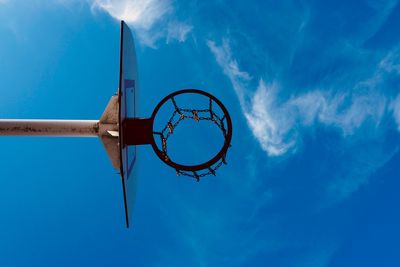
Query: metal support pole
{"type": "Point", "coordinates": [72, 128]}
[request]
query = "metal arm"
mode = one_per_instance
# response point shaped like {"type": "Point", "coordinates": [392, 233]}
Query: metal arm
{"type": "Point", "coordinates": [72, 128]}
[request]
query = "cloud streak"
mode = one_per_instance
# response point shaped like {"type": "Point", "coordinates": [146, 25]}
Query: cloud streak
{"type": "Point", "coordinates": [277, 123]}
{"type": "Point", "coordinates": [257, 107]}
{"type": "Point", "coordinates": [151, 19]}
{"type": "Point", "coordinates": [395, 108]}
{"type": "Point", "coordinates": [139, 13]}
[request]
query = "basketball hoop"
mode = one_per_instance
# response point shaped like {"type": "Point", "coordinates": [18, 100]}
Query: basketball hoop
{"type": "Point", "coordinates": [141, 131]}
{"type": "Point", "coordinates": [120, 130]}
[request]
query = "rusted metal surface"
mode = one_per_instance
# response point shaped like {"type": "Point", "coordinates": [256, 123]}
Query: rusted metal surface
{"type": "Point", "coordinates": [78, 128]}
{"type": "Point", "coordinates": [109, 131]}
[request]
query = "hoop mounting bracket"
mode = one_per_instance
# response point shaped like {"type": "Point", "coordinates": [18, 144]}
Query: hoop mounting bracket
{"type": "Point", "coordinates": [138, 131]}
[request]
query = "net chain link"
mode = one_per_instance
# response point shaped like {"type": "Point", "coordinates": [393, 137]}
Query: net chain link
{"type": "Point", "coordinates": [197, 115]}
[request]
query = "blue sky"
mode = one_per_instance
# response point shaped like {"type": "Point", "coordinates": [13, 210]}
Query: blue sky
{"type": "Point", "coordinates": [313, 91]}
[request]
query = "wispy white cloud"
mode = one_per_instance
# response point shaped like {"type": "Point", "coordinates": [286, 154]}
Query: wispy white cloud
{"type": "Point", "coordinates": [178, 31]}
{"type": "Point", "coordinates": [230, 67]}
{"type": "Point", "coordinates": [139, 13]}
{"type": "Point", "coordinates": [257, 107]}
{"type": "Point", "coordinates": [395, 108]}
{"type": "Point", "coordinates": [276, 123]}
{"type": "Point", "coordinates": [152, 19]}
{"type": "Point", "coordinates": [269, 125]}
{"type": "Point", "coordinates": [279, 121]}
{"type": "Point", "coordinates": [391, 62]}
{"type": "Point", "coordinates": [342, 110]}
